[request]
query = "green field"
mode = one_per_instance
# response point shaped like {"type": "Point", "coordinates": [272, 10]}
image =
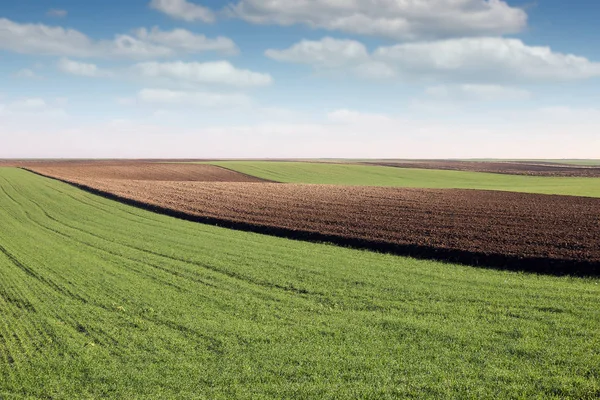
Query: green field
{"type": "Point", "coordinates": [348, 174]}
{"type": "Point", "coordinates": [99, 299]}
{"type": "Point", "coordinates": [579, 162]}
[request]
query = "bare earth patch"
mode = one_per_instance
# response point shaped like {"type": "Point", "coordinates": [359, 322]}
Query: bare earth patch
{"type": "Point", "coordinates": [144, 171]}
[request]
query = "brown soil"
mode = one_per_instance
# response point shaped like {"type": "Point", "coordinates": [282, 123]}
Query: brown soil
{"type": "Point", "coordinates": [516, 230]}
{"type": "Point", "coordinates": [511, 168]}
{"type": "Point", "coordinates": [143, 171]}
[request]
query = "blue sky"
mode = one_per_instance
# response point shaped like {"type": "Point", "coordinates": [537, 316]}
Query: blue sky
{"type": "Point", "coordinates": [292, 78]}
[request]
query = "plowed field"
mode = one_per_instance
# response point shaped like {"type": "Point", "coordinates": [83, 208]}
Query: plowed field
{"type": "Point", "coordinates": [510, 168]}
{"type": "Point", "coordinates": [524, 231]}
{"type": "Point", "coordinates": [143, 171]}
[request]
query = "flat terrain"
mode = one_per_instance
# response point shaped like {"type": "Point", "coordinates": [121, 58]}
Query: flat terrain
{"type": "Point", "coordinates": [366, 175]}
{"type": "Point", "coordinates": [99, 299]}
{"type": "Point", "coordinates": [557, 234]}
{"type": "Point", "coordinates": [531, 168]}
{"type": "Point", "coordinates": [144, 171]}
{"type": "Point", "coordinates": [566, 161]}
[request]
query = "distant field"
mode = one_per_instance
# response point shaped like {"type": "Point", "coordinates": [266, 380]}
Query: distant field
{"type": "Point", "coordinates": [99, 299]}
{"type": "Point", "coordinates": [532, 168]}
{"type": "Point", "coordinates": [142, 171]}
{"type": "Point", "coordinates": [363, 175]}
{"type": "Point", "coordinates": [578, 162]}
{"type": "Point", "coordinates": [558, 161]}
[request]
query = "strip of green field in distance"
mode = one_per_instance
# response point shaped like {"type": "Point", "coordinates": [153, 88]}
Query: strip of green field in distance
{"type": "Point", "coordinates": [99, 299]}
{"type": "Point", "coordinates": [366, 175]}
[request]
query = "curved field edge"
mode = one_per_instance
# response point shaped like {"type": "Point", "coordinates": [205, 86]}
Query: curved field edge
{"type": "Point", "coordinates": [364, 175]}
{"type": "Point", "coordinates": [491, 259]}
{"type": "Point", "coordinates": [99, 299]}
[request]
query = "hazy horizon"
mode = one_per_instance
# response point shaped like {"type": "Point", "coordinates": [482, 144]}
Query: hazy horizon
{"type": "Point", "coordinates": [250, 79]}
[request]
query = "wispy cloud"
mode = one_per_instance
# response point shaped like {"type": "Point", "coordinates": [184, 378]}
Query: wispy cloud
{"type": "Point", "coordinates": [183, 10]}
{"type": "Point", "coordinates": [27, 73]}
{"type": "Point", "coordinates": [82, 69]}
{"type": "Point", "coordinates": [57, 13]}
{"type": "Point", "coordinates": [215, 72]}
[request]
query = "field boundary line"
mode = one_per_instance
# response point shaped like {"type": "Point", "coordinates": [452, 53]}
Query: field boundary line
{"type": "Point", "coordinates": [243, 173]}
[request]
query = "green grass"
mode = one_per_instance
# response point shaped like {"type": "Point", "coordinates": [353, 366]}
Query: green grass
{"type": "Point", "coordinates": [102, 300]}
{"type": "Point", "coordinates": [363, 175]}
{"type": "Point", "coordinates": [579, 162]}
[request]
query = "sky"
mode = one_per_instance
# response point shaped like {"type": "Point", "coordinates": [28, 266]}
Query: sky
{"type": "Point", "coordinates": [299, 78]}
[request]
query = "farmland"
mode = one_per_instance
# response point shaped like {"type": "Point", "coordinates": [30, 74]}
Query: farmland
{"type": "Point", "coordinates": [531, 168]}
{"type": "Point", "coordinates": [367, 175]}
{"type": "Point", "coordinates": [141, 171]}
{"type": "Point", "coordinates": [120, 302]}
{"type": "Point", "coordinates": [565, 161]}
{"type": "Point", "coordinates": [557, 234]}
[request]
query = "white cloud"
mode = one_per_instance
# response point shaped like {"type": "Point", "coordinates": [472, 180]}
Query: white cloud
{"type": "Point", "coordinates": [325, 53]}
{"type": "Point", "coordinates": [32, 107]}
{"type": "Point", "coordinates": [346, 116]}
{"type": "Point", "coordinates": [476, 92]}
{"type": "Point", "coordinates": [390, 18]}
{"type": "Point", "coordinates": [184, 10]}
{"type": "Point", "coordinates": [217, 72]}
{"type": "Point", "coordinates": [196, 99]}
{"type": "Point", "coordinates": [330, 53]}
{"type": "Point", "coordinates": [187, 41]}
{"type": "Point", "coordinates": [82, 69]}
{"type": "Point", "coordinates": [125, 101]}
{"type": "Point", "coordinates": [41, 39]}
{"type": "Point", "coordinates": [375, 70]}
{"type": "Point", "coordinates": [27, 73]}
{"type": "Point", "coordinates": [496, 59]}
{"type": "Point", "coordinates": [468, 60]}
{"type": "Point", "coordinates": [33, 103]}
{"type": "Point", "coordinates": [57, 13]}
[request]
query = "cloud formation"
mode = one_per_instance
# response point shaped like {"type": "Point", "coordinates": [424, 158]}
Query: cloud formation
{"type": "Point", "coordinates": [27, 73]}
{"type": "Point", "coordinates": [476, 92]}
{"type": "Point", "coordinates": [184, 41]}
{"type": "Point", "coordinates": [481, 60]}
{"type": "Point", "coordinates": [485, 59]}
{"type": "Point", "coordinates": [183, 10]}
{"type": "Point", "coordinates": [216, 73]}
{"type": "Point", "coordinates": [325, 53]}
{"type": "Point", "coordinates": [403, 20]}
{"type": "Point", "coordinates": [42, 39]}
{"type": "Point", "coordinates": [165, 97]}
{"type": "Point", "coordinates": [57, 13]}
{"type": "Point", "coordinates": [28, 107]}
{"type": "Point", "coordinates": [82, 69]}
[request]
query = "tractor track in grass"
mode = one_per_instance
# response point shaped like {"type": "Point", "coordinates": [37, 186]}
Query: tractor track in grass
{"type": "Point", "coordinates": [517, 231]}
